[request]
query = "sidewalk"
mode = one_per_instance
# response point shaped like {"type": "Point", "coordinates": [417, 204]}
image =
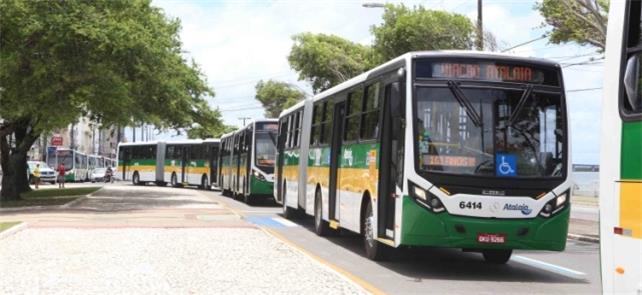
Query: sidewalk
{"type": "Point", "coordinates": [127, 239]}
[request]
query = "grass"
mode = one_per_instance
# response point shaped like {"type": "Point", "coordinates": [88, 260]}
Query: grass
{"type": "Point", "coordinates": [7, 225]}
{"type": "Point", "coordinates": [49, 197]}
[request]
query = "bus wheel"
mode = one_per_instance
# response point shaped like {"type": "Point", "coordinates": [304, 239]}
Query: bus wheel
{"type": "Point", "coordinates": [374, 249]}
{"type": "Point", "coordinates": [496, 256]}
{"type": "Point", "coordinates": [321, 226]}
{"type": "Point", "coordinates": [288, 212]}
{"type": "Point", "coordinates": [204, 184]}
{"type": "Point", "coordinates": [136, 179]}
{"type": "Point", "coordinates": [174, 180]}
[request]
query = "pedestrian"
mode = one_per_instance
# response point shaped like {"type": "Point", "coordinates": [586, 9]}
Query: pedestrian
{"type": "Point", "coordinates": [36, 175]}
{"type": "Point", "coordinates": [61, 175]}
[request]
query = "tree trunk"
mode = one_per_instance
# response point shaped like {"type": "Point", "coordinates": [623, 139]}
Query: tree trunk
{"type": "Point", "coordinates": [14, 163]}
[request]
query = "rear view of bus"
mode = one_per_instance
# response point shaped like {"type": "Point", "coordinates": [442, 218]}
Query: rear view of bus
{"type": "Point", "coordinates": [621, 152]}
{"type": "Point", "coordinates": [491, 155]}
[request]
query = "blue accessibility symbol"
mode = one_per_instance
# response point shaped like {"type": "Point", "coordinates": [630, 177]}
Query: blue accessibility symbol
{"type": "Point", "coordinates": [505, 164]}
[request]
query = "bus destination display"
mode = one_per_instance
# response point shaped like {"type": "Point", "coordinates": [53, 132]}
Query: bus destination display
{"type": "Point", "coordinates": [492, 72]}
{"type": "Point", "coordinates": [487, 71]}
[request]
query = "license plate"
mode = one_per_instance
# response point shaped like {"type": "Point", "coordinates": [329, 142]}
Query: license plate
{"type": "Point", "coordinates": [491, 238]}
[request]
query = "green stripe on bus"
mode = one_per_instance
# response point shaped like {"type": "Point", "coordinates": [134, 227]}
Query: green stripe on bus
{"type": "Point", "coordinates": [358, 155]}
{"type": "Point", "coordinates": [631, 152]}
{"type": "Point", "coordinates": [261, 187]}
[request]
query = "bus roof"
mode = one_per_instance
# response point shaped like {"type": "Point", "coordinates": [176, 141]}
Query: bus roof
{"type": "Point", "coordinates": [297, 106]}
{"type": "Point", "coordinates": [138, 143]}
{"type": "Point", "coordinates": [185, 141]}
{"type": "Point", "coordinates": [423, 54]}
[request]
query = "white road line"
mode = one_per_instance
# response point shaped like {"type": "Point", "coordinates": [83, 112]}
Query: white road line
{"type": "Point", "coordinates": [284, 221]}
{"type": "Point", "coordinates": [549, 267]}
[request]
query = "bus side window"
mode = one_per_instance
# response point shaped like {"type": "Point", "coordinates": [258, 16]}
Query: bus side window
{"type": "Point", "coordinates": [631, 98]}
{"type": "Point", "coordinates": [353, 115]}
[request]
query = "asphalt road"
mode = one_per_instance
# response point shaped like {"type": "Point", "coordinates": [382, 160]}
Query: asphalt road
{"type": "Point", "coordinates": [437, 271]}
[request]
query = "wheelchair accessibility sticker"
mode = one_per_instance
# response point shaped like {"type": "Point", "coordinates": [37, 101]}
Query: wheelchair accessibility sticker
{"type": "Point", "coordinates": [505, 164]}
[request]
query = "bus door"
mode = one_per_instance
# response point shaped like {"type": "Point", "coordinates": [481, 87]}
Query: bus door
{"type": "Point", "coordinates": [391, 158]}
{"type": "Point", "coordinates": [335, 152]}
{"type": "Point", "coordinates": [213, 159]}
{"type": "Point", "coordinates": [280, 146]}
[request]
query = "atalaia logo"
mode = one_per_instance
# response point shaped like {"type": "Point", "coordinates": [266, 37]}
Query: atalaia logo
{"type": "Point", "coordinates": [521, 207]}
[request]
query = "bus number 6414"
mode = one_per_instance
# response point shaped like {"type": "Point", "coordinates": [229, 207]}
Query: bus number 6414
{"type": "Point", "coordinates": [470, 205]}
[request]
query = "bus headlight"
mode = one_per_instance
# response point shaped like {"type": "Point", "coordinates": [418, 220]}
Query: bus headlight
{"type": "Point", "coordinates": [426, 199]}
{"type": "Point", "coordinates": [258, 175]}
{"type": "Point", "coordinates": [555, 205]}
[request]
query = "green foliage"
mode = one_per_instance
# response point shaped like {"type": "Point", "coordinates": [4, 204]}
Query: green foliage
{"type": "Point", "coordinates": [326, 60]}
{"type": "Point", "coordinates": [277, 96]}
{"type": "Point", "coordinates": [580, 21]}
{"type": "Point", "coordinates": [215, 131]}
{"type": "Point", "coordinates": [114, 61]}
{"type": "Point", "coordinates": [404, 29]}
{"type": "Point", "coordinates": [117, 61]}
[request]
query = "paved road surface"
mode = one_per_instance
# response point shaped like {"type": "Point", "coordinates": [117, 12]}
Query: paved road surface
{"type": "Point", "coordinates": [439, 271]}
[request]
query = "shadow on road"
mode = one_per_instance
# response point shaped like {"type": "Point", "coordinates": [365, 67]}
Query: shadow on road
{"type": "Point", "coordinates": [428, 263]}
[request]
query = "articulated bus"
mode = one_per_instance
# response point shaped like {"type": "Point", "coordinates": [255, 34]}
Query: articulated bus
{"type": "Point", "coordinates": [76, 163]}
{"type": "Point", "coordinates": [446, 149]}
{"type": "Point", "coordinates": [247, 160]}
{"type": "Point", "coordinates": [621, 152]}
{"type": "Point", "coordinates": [179, 163]}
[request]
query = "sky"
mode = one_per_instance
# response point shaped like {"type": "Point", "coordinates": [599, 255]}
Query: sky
{"type": "Point", "coordinates": [238, 43]}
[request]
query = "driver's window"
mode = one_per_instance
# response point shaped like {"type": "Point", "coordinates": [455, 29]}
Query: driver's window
{"type": "Point", "coordinates": [631, 97]}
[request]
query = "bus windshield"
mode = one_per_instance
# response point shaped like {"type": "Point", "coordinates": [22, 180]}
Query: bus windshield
{"type": "Point", "coordinates": [265, 150]}
{"type": "Point", "coordinates": [489, 132]}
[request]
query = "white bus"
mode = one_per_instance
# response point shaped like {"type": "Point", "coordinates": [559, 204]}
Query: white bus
{"type": "Point", "coordinates": [446, 149]}
{"type": "Point", "coordinates": [76, 163]}
{"type": "Point", "coordinates": [179, 163]}
{"type": "Point", "coordinates": [621, 153]}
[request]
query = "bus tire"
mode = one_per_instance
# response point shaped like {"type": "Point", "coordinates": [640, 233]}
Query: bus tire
{"type": "Point", "coordinates": [374, 249]}
{"type": "Point", "coordinates": [174, 180]}
{"type": "Point", "coordinates": [288, 212]}
{"type": "Point", "coordinates": [321, 227]}
{"type": "Point", "coordinates": [136, 178]}
{"type": "Point", "coordinates": [497, 256]}
{"type": "Point", "coordinates": [204, 183]}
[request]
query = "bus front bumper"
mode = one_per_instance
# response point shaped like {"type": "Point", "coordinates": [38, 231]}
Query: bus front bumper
{"type": "Point", "coordinates": [421, 227]}
{"type": "Point", "coordinates": [261, 187]}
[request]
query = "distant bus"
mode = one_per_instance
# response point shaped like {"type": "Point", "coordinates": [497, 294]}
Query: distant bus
{"type": "Point", "coordinates": [446, 149]}
{"type": "Point", "coordinates": [191, 162]}
{"type": "Point", "coordinates": [621, 152]}
{"type": "Point", "coordinates": [76, 163]}
{"type": "Point", "coordinates": [179, 163]}
{"type": "Point", "coordinates": [247, 161]}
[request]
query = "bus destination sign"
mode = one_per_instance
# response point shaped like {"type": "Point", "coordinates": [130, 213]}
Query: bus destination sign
{"type": "Point", "coordinates": [487, 72]}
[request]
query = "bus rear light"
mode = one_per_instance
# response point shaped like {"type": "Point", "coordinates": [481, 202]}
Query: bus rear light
{"type": "Point", "coordinates": [618, 230]}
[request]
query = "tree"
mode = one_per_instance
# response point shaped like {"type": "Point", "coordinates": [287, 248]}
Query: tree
{"type": "Point", "coordinates": [117, 62]}
{"type": "Point", "coordinates": [404, 29]}
{"type": "Point", "coordinates": [200, 131]}
{"type": "Point", "coordinates": [327, 60]}
{"type": "Point", "coordinates": [580, 21]}
{"type": "Point", "coordinates": [277, 96]}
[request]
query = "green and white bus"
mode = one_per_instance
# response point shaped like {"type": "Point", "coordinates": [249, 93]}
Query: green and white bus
{"type": "Point", "coordinates": [76, 163]}
{"type": "Point", "coordinates": [446, 149]}
{"type": "Point", "coordinates": [247, 160]}
{"type": "Point", "coordinates": [179, 163]}
{"type": "Point", "coordinates": [621, 152]}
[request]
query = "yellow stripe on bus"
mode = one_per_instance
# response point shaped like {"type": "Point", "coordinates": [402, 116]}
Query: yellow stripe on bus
{"type": "Point", "coordinates": [631, 207]}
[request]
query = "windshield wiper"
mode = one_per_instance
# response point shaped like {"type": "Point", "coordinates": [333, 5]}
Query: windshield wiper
{"type": "Point", "coordinates": [520, 105]}
{"type": "Point", "coordinates": [465, 103]}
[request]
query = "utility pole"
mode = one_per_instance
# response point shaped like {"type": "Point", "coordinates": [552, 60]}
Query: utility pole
{"type": "Point", "coordinates": [244, 119]}
{"type": "Point", "coordinates": [480, 27]}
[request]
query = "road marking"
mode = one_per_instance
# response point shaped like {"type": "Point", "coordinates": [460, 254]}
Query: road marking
{"type": "Point", "coordinates": [549, 267]}
{"type": "Point", "coordinates": [351, 277]}
{"type": "Point", "coordinates": [285, 222]}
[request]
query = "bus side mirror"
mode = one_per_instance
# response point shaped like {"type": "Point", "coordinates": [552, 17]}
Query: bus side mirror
{"type": "Point", "coordinates": [632, 82]}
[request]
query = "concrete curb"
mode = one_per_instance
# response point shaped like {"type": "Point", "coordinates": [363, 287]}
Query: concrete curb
{"type": "Point", "coordinates": [12, 230]}
{"type": "Point", "coordinates": [583, 238]}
